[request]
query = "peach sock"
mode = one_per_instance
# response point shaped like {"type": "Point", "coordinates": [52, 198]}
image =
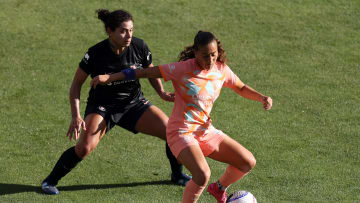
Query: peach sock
{"type": "Point", "coordinates": [192, 192]}
{"type": "Point", "coordinates": [231, 175]}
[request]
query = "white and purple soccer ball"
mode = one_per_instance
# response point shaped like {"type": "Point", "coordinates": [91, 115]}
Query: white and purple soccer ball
{"type": "Point", "coordinates": [241, 196]}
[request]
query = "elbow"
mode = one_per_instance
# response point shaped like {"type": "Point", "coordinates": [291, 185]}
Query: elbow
{"type": "Point", "coordinates": [241, 90]}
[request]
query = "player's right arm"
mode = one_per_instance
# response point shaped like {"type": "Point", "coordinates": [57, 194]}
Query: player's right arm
{"type": "Point", "coordinates": [76, 122]}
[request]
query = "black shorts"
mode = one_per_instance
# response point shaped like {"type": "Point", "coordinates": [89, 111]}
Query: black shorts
{"type": "Point", "coordinates": [125, 117]}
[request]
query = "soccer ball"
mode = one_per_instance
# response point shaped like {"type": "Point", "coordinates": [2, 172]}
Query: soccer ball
{"type": "Point", "coordinates": [241, 196]}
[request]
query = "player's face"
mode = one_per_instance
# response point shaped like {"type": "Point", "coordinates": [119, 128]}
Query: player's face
{"type": "Point", "coordinates": [122, 35]}
{"type": "Point", "coordinates": [207, 55]}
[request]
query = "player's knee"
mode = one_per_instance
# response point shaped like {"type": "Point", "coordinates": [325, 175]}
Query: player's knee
{"type": "Point", "coordinates": [245, 165]}
{"type": "Point", "coordinates": [83, 150]}
{"type": "Point", "coordinates": [250, 163]}
{"type": "Point", "coordinates": [202, 177]}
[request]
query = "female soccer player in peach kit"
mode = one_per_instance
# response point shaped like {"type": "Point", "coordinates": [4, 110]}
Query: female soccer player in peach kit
{"type": "Point", "coordinates": [197, 79]}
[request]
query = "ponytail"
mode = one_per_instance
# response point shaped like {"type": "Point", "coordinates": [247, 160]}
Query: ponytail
{"type": "Point", "coordinates": [187, 53]}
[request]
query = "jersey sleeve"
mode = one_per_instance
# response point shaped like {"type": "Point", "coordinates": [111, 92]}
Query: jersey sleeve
{"type": "Point", "coordinates": [230, 77]}
{"type": "Point", "coordinates": [173, 71]}
{"type": "Point", "coordinates": [147, 56]}
{"type": "Point", "coordinates": [86, 63]}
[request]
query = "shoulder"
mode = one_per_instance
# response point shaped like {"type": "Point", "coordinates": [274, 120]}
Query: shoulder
{"type": "Point", "coordinates": [95, 53]}
{"type": "Point", "coordinates": [189, 63]}
{"type": "Point", "coordinates": [99, 47]}
{"type": "Point", "coordinates": [187, 66]}
{"type": "Point", "coordinates": [138, 43]}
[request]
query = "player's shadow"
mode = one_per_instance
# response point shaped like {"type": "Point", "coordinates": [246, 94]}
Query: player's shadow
{"type": "Point", "coordinates": [6, 188]}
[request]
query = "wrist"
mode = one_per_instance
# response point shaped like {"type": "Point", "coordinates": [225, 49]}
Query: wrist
{"type": "Point", "coordinates": [161, 92]}
{"type": "Point", "coordinates": [75, 116]}
{"type": "Point", "coordinates": [262, 98]}
{"type": "Point", "coordinates": [111, 78]}
{"type": "Point", "coordinates": [129, 73]}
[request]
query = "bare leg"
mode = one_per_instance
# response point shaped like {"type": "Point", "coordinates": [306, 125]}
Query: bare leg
{"type": "Point", "coordinates": [153, 122]}
{"type": "Point", "coordinates": [194, 160]}
{"type": "Point", "coordinates": [240, 159]}
{"type": "Point", "coordinates": [89, 139]}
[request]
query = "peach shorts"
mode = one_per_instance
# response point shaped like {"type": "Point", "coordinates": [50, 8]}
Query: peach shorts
{"type": "Point", "coordinates": [208, 143]}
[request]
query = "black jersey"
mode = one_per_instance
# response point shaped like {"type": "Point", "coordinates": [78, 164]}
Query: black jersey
{"type": "Point", "coordinates": [100, 59]}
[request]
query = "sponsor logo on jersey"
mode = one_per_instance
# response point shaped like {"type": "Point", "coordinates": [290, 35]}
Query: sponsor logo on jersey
{"type": "Point", "coordinates": [86, 58]}
{"type": "Point", "coordinates": [101, 108]}
{"type": "Point", "coordinates": [119, 82]}
{"type": "Point", "coordinates": [171, 68]}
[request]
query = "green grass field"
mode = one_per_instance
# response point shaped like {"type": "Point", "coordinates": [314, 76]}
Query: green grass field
{"type": "Point", "coordinates": [305, 54]}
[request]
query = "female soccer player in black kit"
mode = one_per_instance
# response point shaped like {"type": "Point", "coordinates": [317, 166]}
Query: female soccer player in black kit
{"type": "Point", "coordinates": [121, 103]}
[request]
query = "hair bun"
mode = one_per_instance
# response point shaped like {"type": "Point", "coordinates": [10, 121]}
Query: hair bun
{"type": "Point", "coordinates": [103, 14]}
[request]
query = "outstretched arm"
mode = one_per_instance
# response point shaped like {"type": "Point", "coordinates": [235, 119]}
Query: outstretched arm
{"type": "Point", "coordinates": [249, 93]}
{"type": "Point", "coordinates": [127, 74]}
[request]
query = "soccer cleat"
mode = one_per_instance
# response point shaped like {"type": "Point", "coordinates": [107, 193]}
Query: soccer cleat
{"type": "Point", "coordinates": [215, 191]}
{"type": "Point", "coordinates": [49, 189]}
{"type": "Point", "coordinates": [181, 179]}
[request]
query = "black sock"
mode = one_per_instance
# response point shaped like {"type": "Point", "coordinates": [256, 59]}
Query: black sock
{"type": "Point", "coordinates": [176, 168]}
{"type": "Point", "coordinates": [67, 161]}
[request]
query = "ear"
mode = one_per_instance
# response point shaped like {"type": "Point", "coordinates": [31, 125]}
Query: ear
{"type": "Point", "coordinates": [108, 31]}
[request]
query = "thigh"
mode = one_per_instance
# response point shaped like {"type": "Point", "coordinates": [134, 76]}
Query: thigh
{"type": "Point", "coordinates": [153, 122]}
{"type": "Point", "coordinates": [103, 110]}
{"type": "Point", "coordinates": [233, 153]}
{"type": "Point", "coordinates": [89, 138]}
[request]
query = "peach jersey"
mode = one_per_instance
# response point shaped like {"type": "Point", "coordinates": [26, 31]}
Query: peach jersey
{"type": "Point", "coordinates": [195, 93]}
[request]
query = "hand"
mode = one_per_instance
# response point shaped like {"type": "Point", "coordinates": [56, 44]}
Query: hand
{"type": "Point", "coordinates": [267, 102]}
{"type": "Point", "coordinates": [100, 79]}
{"type": "Point", "coordinates": [75, 126]}
{"type": "Point", "coordinates": [167, 96]}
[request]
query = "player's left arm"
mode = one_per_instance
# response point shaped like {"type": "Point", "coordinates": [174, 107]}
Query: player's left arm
{"type": "Point", "coordinates": [158, 87]}
{"type": "Point", "coordinates": [126, 74]}
{"type": "Point", "coordinates": [249, 93]}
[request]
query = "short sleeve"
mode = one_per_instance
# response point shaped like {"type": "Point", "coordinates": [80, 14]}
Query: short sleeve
{"type": "Point", "coordinates": [147, 57]}
{"type": "Point", "coordinates": [230, 77]}
{"type": "Point", "coordinates": [174, 71]}
{"type": "Point", "coordinates": [86, 63]}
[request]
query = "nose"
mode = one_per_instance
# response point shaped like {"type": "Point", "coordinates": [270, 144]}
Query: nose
{"type": "Point", "coordinates": [128, 34]}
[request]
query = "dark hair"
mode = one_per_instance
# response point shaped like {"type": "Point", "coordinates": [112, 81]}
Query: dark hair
{"type": "Point", "coordinates": [113, 19]}
{"type": "Point", "coordinates": [202, 38]}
